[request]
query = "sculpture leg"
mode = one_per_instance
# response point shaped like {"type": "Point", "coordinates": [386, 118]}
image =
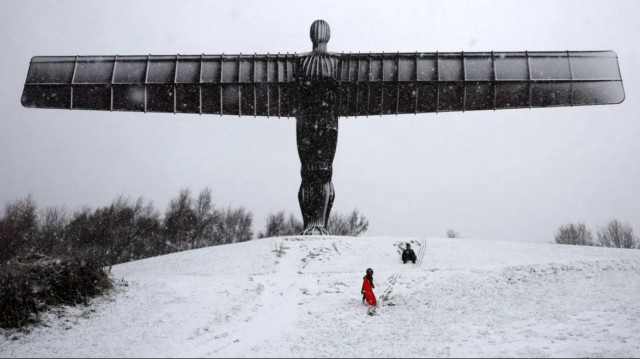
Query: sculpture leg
{"type": "Point", "coordinates": [317, 139]}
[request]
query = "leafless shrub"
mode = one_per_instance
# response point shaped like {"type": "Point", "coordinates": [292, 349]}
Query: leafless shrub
{"type": "Point", "coordinates": [121, 232]}
{"type": "Point", "coordinates": [190, 223]}
{"type": "Point", "coordinates": [616, 234]}
{"type": "Point", "coordinates": [31, 284]}
{"type": "Point", "coordinates": [353, 224]}
{"type": "Point", "coordinates": [205, 217]}
{"type": "Point", "coordinates": [339, 224]}
{"type": "Point", "coordinates": [233, 226]}
{"type": "Point", "coordinates": [277, 225]}
{"type": "Point", "coordinates": [52, 222]}
{"type": "Point", "coordinates": [18, 228]}
{"type": "Point", "coordinates": [180, 220]}
{"type": "Point", "coordinates": [574, 233]}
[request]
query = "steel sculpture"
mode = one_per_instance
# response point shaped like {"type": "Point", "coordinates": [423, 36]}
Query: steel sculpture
{"type": "Point", "coordinates": [319, 86]}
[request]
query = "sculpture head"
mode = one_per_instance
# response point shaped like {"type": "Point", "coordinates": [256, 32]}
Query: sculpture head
{"type": "Point", "coordinates": [320, 34]}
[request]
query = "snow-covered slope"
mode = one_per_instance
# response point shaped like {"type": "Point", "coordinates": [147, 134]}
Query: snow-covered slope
{"type": "Point", "coordinates": [300, 297]}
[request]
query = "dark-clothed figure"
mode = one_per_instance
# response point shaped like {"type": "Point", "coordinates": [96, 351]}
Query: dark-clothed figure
{"type": "Point", "coordinates": [408, 254]}
{"type": "Point", "coordinates": [369, 277]}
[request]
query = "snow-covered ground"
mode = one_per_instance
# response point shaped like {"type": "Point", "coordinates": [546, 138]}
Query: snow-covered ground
{"type": "Point", "coordinates": [300, 297]}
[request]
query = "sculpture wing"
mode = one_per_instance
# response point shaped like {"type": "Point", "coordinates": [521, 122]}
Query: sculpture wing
{"type": "Point", "coordinates": [258, 85]}
{"type": "Point", "coordinates": [384, 84]}
{"type": "Point", "coordinates": [370, 84]}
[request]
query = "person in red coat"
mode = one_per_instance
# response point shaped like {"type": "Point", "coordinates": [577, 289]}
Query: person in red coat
{"type": "Point", "coordinates": [369, 277]}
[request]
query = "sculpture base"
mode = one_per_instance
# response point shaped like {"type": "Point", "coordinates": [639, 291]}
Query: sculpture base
{"type": "Point", "coordinates": [315, 231]}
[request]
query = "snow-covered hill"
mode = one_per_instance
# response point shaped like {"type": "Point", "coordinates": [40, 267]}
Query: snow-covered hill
{"type": "Point", "coordinates": [300, 297]}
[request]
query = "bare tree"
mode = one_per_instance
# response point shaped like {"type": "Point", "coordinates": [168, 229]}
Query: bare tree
{"type": "Point", "coordinates": [52, 224]}
{"type": "Point", "coordinates": [233, 225]}
{"type": "Point", "coordinates": [204, 220]}
{"type": "Point", "coordinates": [294, 225]}
{"type": "Point", "coordinates": [577, 234]}
{"type": "Point", "coordinates": [78, 230]}
{"type": "Point", "coordinates": [452, 233]}
{"type": "Point", "coordinates": [180, 220]}
{"type": "Point", "coordinates": [616, 234]}
{"type": "Point", "coordinates": [351, 225]}
{"type": "Point", "coordinates": [18, 228]}
{"type": "Point", "coordinates": [148, 240]}
{"type": "Point", "coordinates": [275, 226]}
{"type": "Point", "coordinates": [121, 232]}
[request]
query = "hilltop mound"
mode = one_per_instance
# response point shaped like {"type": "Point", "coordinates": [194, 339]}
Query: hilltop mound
{"type": "Point", "coordinates": [300, 297]}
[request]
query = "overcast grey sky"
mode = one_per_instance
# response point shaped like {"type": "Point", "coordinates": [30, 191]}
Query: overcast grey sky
{"type": "Point", "coordinates": [506, 175]}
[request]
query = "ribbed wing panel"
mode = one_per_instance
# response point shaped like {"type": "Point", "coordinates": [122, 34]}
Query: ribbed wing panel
{"type": "Point", "coordinates": [258, 85]}
{"type": "Point", "coordinates": [383, 84]}
{"type": "Point", "coordinates": [370, 84]}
